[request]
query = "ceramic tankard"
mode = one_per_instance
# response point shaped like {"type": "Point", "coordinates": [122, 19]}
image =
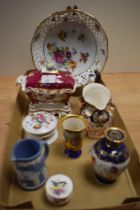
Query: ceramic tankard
{"type": "Point", "coordinates": [28, 156]}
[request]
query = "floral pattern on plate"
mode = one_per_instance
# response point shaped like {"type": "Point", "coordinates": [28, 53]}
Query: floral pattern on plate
{"type": "Point", "coordinates": [70, 48]}
{"type": "Point", "coordinates": [71, 40]}
{"type": "Point", "coordinates": [62, 55]}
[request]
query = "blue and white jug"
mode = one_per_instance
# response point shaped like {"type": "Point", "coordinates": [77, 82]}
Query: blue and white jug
{"type": "Point", "coordinates": [28, 156]}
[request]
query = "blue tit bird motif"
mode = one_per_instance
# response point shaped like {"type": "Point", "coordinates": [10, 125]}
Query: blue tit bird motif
{"type": "Point", "coordinates": [58, 186]}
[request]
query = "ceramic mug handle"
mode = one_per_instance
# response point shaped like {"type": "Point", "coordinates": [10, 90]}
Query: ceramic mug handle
{"type": "Point", "coordinates": [46, 146]}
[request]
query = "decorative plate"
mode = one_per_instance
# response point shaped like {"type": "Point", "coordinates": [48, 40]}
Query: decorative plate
{"type": "Point", "coordinates": [72, 41]}
{"type": "Point", "coordinates": [39, 123]}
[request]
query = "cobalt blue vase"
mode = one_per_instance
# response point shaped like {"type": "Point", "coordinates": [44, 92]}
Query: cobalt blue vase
{"type": "Point", "coordinates": [110, 155]}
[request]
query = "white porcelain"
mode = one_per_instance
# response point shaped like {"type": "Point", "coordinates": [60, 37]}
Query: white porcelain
{"type": "Point", "coordinates": [73, 123]}
{"type": "Point", "coordinates": [96, 95]}
{"type": "Point", "coordinates": [110, 155]}
{"type": "Point", "coordinates": [39, 123]}
{"type": "Point", "coordinates": [59, 189]}
{"type": "Point", "coordinates": [51, 138]}
{"type": "Point", "coordinates": [50, 107]}
{"type": "Point", "coordinates": [71, 40]}
{"type": "Point", "coordinates": [21, 80]}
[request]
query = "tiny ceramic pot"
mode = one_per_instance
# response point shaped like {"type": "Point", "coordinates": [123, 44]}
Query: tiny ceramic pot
{"type": "Point", "coordinates": [110, 155]}
{"type": "Point", "coordinates": [73, 127]}
{"type": "Point", "coordinates": [28, 156]}
{"type": "Point", "coordinates": [59, 189]}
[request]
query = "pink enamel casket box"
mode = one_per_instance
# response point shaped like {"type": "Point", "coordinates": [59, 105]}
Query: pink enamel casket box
{"type": "Point", "coordinates": [48, 91]}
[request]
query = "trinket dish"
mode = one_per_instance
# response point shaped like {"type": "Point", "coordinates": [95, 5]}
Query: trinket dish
{"type": "Point", "coordinates": [71, 40]}
{"type": "Point", "coordinates": [59, 189]}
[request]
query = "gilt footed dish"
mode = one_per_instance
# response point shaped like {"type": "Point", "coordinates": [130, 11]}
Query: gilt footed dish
{"type": "Point", "coordinates": [72, 41]}
{"type": "Point", "coordinates": [48, 91]}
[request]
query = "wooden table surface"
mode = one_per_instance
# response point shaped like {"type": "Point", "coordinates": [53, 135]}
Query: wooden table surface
{"type": "Point", "coordinates": [125, 89]}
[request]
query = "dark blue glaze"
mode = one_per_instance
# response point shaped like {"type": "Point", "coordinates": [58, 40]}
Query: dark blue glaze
{"type": "Point", "coordinates": [111, 152]}
{"type": "Point", "coordinates": [26, 149]}
{"type": "Point", "coordinates": [72, 154]}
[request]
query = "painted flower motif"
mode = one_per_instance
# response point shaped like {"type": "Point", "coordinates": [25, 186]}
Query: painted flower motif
{"type": "Point", "coordinates": [72, 65]}
{"type": "Point", "coordinates": [62, 55]}
{"type": "Point", "coordinates": [62, 35]}
{"type": "Point", "coordinates": [82, 37]}
{"type": "Point", "coordinates": [38, 119]}
{"type": "Point", "coordinates": [42, 62]}
{"type": "Point", "coordinates": [58, 57]}
{"type": "Point", "coordinates": [37, 126]}
{"type": "Point", "coordinates": [49, 46]}
{"type": "Point", "coordinates": [84, 57]}
{"type": "Point", "coordinates": [68, 54]}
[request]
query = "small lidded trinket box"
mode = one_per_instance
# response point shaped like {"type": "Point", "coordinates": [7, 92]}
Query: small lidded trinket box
{"type": "Point", "coordinates": [41, 125]}
{"type": "Point", "coordinates": [48, 91]}
{"type": "Point", "coordinates": [59, 189]}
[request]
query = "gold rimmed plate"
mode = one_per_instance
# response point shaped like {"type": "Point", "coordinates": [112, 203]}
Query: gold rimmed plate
{"type": "Point", "coordinates": [72, 41]}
